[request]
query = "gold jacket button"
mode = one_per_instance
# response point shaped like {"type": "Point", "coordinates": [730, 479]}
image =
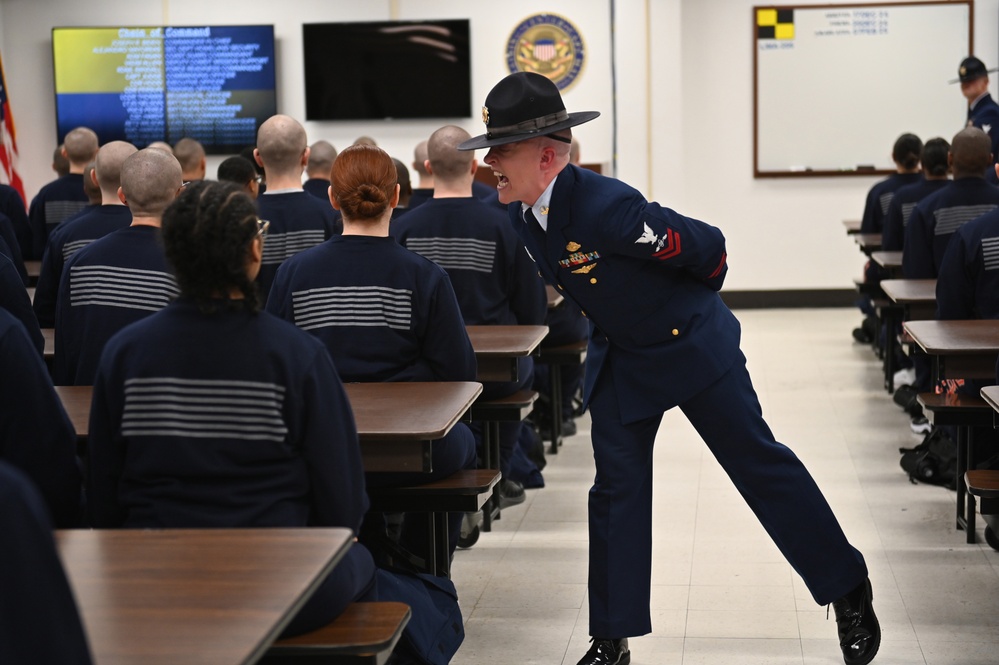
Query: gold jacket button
{"type": "Point", "coordinates": [583, 313]}
{"type": "Point", "coordinates": [558, 286]}
{"type": "Point", "coordinates": [593, 280]}
{"type": "Point", "coordinates": [675, 332]}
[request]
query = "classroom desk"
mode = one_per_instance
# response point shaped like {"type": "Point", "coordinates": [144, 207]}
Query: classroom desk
{"type": "Point", "coordinates": [48, 334]}
{"type": "Point", "coordinates": [497, 349]}
{"type": "Point", "coordinates": [960, 350]}
{"type": "Point", "coordinates": [34, 269]}
{"type": "Point", "coordinates": [890, 261]}
{"type": "Point", "coordinates": [554, 297]}
{"type": "Point", "coordinates": [212, 596]}
{"type": "Point", "coordinates": [913, 300]}
{"type": "Point", "coordinates": [991, 395]}
{"type": "Point", "coordinates": [852, 226]}
{"type": "Point", "coordinates": [396, 422]}
{"type": "Point", "coordinates": [868, 242]}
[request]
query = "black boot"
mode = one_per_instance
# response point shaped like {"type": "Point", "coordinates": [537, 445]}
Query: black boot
{"type": "Point", "coordinates": [607, 652]}
{"type": "Point", "coordinates": [859, 630]}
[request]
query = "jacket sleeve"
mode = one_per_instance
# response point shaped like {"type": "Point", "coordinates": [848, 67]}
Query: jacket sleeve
{"type": "Point", "coordinates": [279, 299]}
{"type": "Point", "coordinates": [105, 450]}
{"type": "Point", "coordinates": [660, 234]}
{"type": "Point", "coordinates": [47, 289]}
{"type": "Point", "coordinates": [956, 282]}
{"type": "Point", "coordinates": [892, 239]}
{"type": "Point", "coordinates": [868, 223]}
{"type": "Point", "coordinates": [329, 443]}
{"type": "Point", "coordinates": [447, 352]}
{"type": "Point", "coordinates": [917, 255]}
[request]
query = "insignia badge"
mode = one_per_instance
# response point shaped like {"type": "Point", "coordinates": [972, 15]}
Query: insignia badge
{"type": "Point", "coordinates": [964, 70]}
{"type": "Point", "coordinates": [585, 269]}
{"type": "Point", "coordinates": [546, 44]}
{"type": "Point", "coordinates": [544, 210]}
{"type": "Point", "coordinates": [572, 247]}
{"type": "Point", "coordinates": [485, 115]}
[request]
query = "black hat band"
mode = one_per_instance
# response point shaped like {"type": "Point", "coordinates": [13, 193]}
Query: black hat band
{"type": "Point", "coordinates": [530, 126]}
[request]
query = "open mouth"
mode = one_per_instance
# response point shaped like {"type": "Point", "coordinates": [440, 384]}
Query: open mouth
{"type": "Point", "coordinates": [501, 180]}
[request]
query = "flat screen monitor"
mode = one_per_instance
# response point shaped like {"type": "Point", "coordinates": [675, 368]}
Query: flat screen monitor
{"type": "Point", "coordinates": [387, 70]}
{"type": "Point", "coordinates": [139, 84]}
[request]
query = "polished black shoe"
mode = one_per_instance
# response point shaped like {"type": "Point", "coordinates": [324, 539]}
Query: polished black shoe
{"type": "Point", "coordinates": [607, 652]}
{"type": "Point", "coordinates": [859, 630]}
{"type": "Point", "coordinates": [511, 493]}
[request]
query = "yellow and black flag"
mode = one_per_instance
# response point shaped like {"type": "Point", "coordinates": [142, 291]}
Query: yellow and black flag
{"type": "Point", "coordinates": [775, 24]}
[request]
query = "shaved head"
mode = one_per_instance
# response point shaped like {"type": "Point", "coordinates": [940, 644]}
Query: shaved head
{"type": "Point", "coordinates": [150, 180]}
{"type": "Point", "coordinates": [108, 163]}
{"type": "Point", "coordinates": [281, 143]}
{"type": "Point", "coordinates": [81, 146]}
{"type": "Point", "coordinates": [161, 145]}
{"type": "Point", "coordinates": [191, 156]}
{"type": "Point", "coordinates": [971, 152]}
{"type": "Point", "coordinates": [419, 157]}
{"type": "Point", "coordinates": [447, 162]}
{"type": "Point", "coordinates": [321, 156]}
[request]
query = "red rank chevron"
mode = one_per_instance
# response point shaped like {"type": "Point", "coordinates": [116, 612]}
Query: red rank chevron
{"type": "Point", "coordinates": [672, 247]}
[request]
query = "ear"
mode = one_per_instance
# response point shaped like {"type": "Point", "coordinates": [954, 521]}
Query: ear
{"type": "Point", "coordinates": [121, 196]}
{"type": "Point", "coordinates": [256, 157]}
{"type": "Point", "coordinates": [426, 165]}
{"type": "Point", "coordinates": [305, 156]}
{"type": "Point", "coordinates": [475, 167]}
{"type": "Point", "coordinates": [333, 201]}
{"type": "Point", "coordinates": [93, 178]}
{"type": "Point", "coordinates": [255, 258]}
{"type": "Point", "coordinates": [395, 197]}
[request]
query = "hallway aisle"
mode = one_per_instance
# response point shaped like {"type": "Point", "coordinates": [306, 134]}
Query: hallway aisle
{"type": "Point", "coordinates": [722, 594]}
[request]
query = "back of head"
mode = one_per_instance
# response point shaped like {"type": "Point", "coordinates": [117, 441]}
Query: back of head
{"type": "Point", "coordinates": [81, 146]}
{"type": "Point", "coordinates": [971, 153]}
{"type": "Point", "coordinates": [150, 179]}
{"type": "Point", "coordinates": [190, 154]}
{"type": "Point", "coordinates": [363, 182]}
{"type": "Point", "coordinates": [447, 162]}
{"type": "Point", "coordinates": [321, 156]}
{"type": "Point", "coordinates": [281, 142]}
{"type": "Point", "coordinates": [365, 140]}
{"type": "Point", "coordinates": [402, 178]}
{"type": "Point", "coordinates": [59, 162]}
{"type": "Point", "coordinates": [207, 233]}
{"type": "Point", "coordinates": [109, 160]}
{"type": "Point", "coordinates": [161, 145]}
{"type": "Point", "coordinates": [906, 151]}
{"type": "Point", "coordinates": [238, 170]}
{"type": "Point", "coordinates": [934, 157]}
{"type": "Point", "coordinates": [419, 159]}
{"type": "Point", "coordinates": [574, 151]}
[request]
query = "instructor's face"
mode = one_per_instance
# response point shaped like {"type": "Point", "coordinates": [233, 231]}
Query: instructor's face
{"type": "Point", "coordinates": [516, 167]}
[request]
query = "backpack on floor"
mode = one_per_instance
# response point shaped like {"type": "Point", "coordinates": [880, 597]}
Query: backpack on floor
{"type": "Point", "coordinates": [934, 461]}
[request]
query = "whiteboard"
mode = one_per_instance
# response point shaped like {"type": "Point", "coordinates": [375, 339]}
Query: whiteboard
{"type": "Point", "coordinates": [835, 85]}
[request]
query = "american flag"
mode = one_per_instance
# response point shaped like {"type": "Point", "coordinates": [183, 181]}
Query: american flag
{"type": "Point", "coordinates": [8, 141]}
{"type": "Point", "coordinates": [544, 49]}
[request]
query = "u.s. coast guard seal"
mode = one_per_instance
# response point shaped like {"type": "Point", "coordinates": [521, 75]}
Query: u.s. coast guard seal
{"type": "Point", "coordinates": [549, 45]}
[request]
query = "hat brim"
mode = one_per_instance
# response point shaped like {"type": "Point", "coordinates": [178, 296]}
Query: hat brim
{"type": "Point", "coordinates": [486, 141]}
{"type": "Point", "coordinates": [987, 72]}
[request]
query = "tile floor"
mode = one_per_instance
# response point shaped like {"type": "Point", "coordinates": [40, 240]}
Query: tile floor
{"type": "Point", "coordinates": [722, 593]}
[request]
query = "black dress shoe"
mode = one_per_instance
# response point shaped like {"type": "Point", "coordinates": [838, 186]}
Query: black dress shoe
{"type": "Point", "coordinates": [607, 652]}
{"type": "Point", "coordinates": [859, 630]}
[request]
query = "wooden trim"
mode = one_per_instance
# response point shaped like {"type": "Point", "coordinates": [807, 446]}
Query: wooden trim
{"type": "Point", "coordinates": [790, 298]}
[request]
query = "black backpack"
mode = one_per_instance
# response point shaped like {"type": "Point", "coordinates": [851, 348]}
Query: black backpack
{"type": "Point", "coordinates": [934, 461]}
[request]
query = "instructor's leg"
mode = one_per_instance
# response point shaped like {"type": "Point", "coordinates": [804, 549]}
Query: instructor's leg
{"type": "Point", "coordinates": [776, 485]}
{"type": "Point", "coordinates": [620, 518]}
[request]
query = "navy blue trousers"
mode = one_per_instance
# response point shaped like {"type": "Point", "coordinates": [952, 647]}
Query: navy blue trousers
{"type": "Point", "coordinates": [769, 476]}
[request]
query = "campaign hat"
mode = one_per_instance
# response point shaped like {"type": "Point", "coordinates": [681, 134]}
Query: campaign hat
{"type": "Point", "coordinates": [522, 106]}
{"type": "Point", "coordinates": [971, 69]}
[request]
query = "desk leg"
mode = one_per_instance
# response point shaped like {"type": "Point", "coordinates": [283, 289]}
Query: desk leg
{"type": "Point", "coordinates": [962, 465]}
{"type": "Point", "coordinates": [440, 563]}
{"type": "Point", "coordinates": [490, 444]}
{"type": "Point", "coordinates": [555, 388]}
{"type": "Point", "coordinates": [970, 509]}
{"type": "Point", "coordinates": [889, 359]}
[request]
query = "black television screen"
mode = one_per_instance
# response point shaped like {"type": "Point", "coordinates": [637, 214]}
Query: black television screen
{"type": "Point", "coordinates": [144, 84]}
{"type": "Point", "coordinates": [387, 69]}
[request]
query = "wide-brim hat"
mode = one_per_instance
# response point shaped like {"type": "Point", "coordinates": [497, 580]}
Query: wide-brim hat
{"type": "Point", "coordinates": [522, 106]}
{"type": "Point", "coordinates": [971, 69]}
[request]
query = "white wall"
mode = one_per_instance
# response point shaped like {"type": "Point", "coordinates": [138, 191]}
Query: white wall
{"type": "Point", "coordinates": [684, 107]}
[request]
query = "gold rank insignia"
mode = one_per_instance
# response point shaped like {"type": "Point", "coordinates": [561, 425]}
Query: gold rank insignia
{"type": "Point", "coordinates": [544, 210]}
{"type": "Point", "coordinates": [585, 269]}
{"type": "Point", "coordinates": [485, 115]}
{"type": "Point", "coordinates": [572, 246]}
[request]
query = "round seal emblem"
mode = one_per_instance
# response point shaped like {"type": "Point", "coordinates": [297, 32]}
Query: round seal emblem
{"type": "Point", "coordinates": [549, 45]}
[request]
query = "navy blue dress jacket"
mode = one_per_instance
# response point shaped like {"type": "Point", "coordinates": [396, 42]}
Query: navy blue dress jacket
{"type": "Point", "coordinates": [968, 285]}
{"type": "Point", "coordinates": [671, 335]}
{"type": "Point", "coordinates": [12, 205]}
{"type": "Point", "coordinates": [879, 198]}
{"type": "Point", "coordinates": [900, 210]}
{"type": "Point", "coordinates": [14, 298]}
{"type": "Point", "coordinates": [54, 203]}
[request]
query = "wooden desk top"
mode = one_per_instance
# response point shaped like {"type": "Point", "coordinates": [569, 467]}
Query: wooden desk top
{"type": "Point", "coordinates": [497, 349]}
{"type": "Point", "coordinates": [960, 349]}
{"type": "Point", "coordinates": [48, 334]}
{"type": "Point", "coordinates": [33, 268]}
{"type": "Point", "coordinates": [910, 291]}
{"type": "Point", "coordinates": [212, 596]}
{"type": "Point", "coordinates": [554, 297]}
{"type": "Point", "coordinates": [991, 395]}
{"type": "Point", "coordinates": [395, 421]}
{"type": "Point", "coordinates": [869, 242]}
{"type": "Point", "coordinates": [852, 226]}
{"type": "Point", "coordinates": [887, 260]}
